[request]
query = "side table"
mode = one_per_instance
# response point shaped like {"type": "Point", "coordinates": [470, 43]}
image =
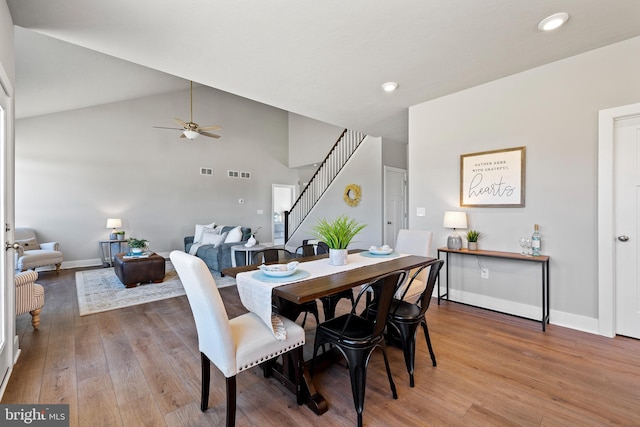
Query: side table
{"type": "Point", "coordinates": [248, 253]}
{"type": "Point", "coordinates": [107, 258]}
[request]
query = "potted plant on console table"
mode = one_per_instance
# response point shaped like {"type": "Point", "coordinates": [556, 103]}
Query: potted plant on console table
{"type": "Point", "coordinates": [137, 246]}
{"type": "Point", "coordinates": [472, 239]}
{"type": "Point", "coordinates": [337, 234]}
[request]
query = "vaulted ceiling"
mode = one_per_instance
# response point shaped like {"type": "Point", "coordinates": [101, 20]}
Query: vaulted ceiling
{"type": "Point", "coordinates": [323, 59]}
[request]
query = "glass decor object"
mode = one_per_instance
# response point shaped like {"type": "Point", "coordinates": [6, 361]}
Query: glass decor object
{"type": "Point", "coordinates": [535, 241]}
{"type": "Point", "coordinates": [523, 244]}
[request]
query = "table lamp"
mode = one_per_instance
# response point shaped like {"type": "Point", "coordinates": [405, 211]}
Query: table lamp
{"type": "Point", "coordinates": [113, 223]}
{"type": "Point", "coordinates": [454, 220]}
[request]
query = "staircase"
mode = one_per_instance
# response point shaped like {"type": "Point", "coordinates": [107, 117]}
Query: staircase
{"type": "Point", "coordinates": [341, 152]}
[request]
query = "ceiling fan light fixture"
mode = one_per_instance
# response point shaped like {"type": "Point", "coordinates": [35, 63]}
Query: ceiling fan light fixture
{"type": "Point", "coordinates": [554, 21]}
{"type": "Point", "coordinates": [389, 86]}
{"type": "Point", "coordinates": [190, 134]}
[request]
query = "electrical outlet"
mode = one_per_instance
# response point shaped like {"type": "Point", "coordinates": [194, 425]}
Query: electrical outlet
{"type": "Point", "coordinates": [484, 273]}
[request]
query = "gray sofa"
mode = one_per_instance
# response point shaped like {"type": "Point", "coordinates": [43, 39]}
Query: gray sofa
{"type": "Point", "coordinates": [219, 258]}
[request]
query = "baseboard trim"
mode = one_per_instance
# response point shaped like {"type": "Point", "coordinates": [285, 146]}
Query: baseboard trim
{"type": "Point", "coordinates": [559, 318]}
{"type": "Point", "coordinates": [81, 263]}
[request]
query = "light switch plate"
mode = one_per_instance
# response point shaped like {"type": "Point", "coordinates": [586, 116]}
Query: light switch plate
{"type": "Point", "coordinates": [421, 211]}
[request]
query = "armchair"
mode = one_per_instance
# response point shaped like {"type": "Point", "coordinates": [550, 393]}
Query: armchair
{"type": "Point", "coordinates": [29, 296]}
{"type": "Point", "coordinates": [33, 254]}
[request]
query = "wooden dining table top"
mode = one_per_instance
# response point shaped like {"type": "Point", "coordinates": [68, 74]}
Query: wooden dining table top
{"type": "Point", "coordinates": [311, 289]}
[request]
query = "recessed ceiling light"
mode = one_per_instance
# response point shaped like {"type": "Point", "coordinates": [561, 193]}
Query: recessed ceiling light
{"type": "Point", "coordinates": [389, 86]}
{"type": "Point", "coordinates": [553, 21]}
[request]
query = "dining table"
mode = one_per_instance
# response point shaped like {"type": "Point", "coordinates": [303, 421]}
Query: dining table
{"type": "Point", "coordinates": [321, 279]}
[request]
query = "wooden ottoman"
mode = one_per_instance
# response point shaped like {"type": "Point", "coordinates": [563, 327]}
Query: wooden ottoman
{"type": "Point", "coordinates": [132, 271]}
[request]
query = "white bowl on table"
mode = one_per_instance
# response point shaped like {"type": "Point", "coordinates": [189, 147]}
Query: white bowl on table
{"type": "Point", "coordinates": [381, 250]}
{"type": "Point", "coordinates": [279, 270]}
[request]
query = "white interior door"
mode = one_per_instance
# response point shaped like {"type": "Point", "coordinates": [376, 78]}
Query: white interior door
{"type": "Point", "coordinates": [7, 290]}
{"type": "Point", "coordinates": [395, 203]}
{"type": "Point", "coordinates": [627, 209]}
{"type": "Point", "coordinates": [282, 198]}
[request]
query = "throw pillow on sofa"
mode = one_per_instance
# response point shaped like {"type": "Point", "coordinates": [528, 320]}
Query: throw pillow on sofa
{"type": "Point", "coordinates": [234, 235]}
{"type": "Point", "coordinates": [197, 236]}
{"type": "Point", "coordinates": [210, 237]}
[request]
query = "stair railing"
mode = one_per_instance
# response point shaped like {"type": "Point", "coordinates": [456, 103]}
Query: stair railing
{"type": "Point", "coordinates": [340, 153]}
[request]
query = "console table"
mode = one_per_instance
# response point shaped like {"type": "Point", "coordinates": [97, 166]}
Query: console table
{"type": "Point", "coordinates": [543, 260]}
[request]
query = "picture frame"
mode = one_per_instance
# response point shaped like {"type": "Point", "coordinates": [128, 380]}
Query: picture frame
{"type": "Point", "coordinates": [493, 178]}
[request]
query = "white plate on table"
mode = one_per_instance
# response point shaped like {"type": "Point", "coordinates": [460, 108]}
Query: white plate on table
{"type": "Point", "coordinates": [380, 250]}
{"type": "Point", "coordinates": [279, 270]}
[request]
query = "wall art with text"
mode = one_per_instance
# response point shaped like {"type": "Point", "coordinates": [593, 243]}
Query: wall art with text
{"type": "Point", "coordinates": [493, 178]}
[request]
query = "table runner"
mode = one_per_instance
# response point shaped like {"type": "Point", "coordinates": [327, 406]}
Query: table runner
{"type": "Point", "coordinates": [256, 295]}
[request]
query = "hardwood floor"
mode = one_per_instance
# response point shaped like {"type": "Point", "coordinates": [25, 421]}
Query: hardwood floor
{"type": "Point", "coordinates": [140, 366]}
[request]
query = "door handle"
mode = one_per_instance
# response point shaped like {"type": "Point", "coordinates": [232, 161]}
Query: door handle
{"type": "Point", "coordinates": [623, 238]}
{"type": "Point", "coordinates": [14, 245]}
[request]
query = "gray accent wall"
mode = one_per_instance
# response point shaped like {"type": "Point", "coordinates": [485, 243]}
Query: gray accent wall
{"type": "Point", "coordinates": [553, 111]}
{"type": "Point", "coordinates": [310, 140]}
{"type": "Point", "coordinates": [77, 168]}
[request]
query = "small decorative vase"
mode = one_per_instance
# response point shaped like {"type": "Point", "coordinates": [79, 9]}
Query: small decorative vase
{"type": "Point", "coordinates": [338, 256]}
{"type": "Point", "coordinates": [251, 242]}
{"type": "Point", "coordinates": [136, 251]}
{"type": "Point", "coordinates": [473, 246]}
{"type": "Point", "coordinates": [120, 236]}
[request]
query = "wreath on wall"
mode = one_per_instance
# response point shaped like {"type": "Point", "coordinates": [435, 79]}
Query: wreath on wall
{"type": "Point", "coordinates": [352, 194]}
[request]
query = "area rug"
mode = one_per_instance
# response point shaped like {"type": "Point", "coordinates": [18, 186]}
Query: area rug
{"type": "Point", "coordinates": [100, 289]}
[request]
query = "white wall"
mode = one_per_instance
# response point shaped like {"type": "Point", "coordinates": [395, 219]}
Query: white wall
{"type": "Point", "coordinates": [394, 153]}
{"type": "Point", "coordinates": [364, 169]}
{"type": "Point", "coordinates": [553, 111]}
{"type": "Point", "coordinates": [77, 168]}
{"type": "Point", "coordinates": [7, 54]}
{"type": "Point", "coordinates": [310, 140]}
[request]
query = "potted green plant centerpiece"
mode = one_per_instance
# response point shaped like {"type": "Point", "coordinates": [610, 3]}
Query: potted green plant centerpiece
{"type": "Point", "coordinates": [137, 246]}
{"type": "Point", "coordinates": [119, 235]}
{"type": "Point", "coordinates": [337, 234]}
{"type": "Point", "coordinates": [472, 239]}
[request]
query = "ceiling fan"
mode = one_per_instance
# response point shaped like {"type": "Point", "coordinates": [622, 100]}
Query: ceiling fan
{"type": "Point", "coordinates": [190, 129]}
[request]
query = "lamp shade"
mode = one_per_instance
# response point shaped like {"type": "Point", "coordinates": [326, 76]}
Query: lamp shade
{"type": "Point", "coordinates": [114, 223]}
{"type": "Point", "coordinates": [191, 134]}
{"type": "Point", "coordinates": [455, 220]}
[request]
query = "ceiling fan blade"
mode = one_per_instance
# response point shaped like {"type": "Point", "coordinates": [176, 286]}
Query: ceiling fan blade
{"type": "Point", "coordinates": [182, 135]}
{"type": "Point", "coordinates": [181, 122]}
{"type": "Point", "coordinates": [162, 127]}
{"type": "Point", "coordinates": [214, 127]}
{"type": "Point", "coordinates": [211, 135]}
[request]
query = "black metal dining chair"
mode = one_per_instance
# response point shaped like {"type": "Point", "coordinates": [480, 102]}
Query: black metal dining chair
{"type": "Point", "coordinates": [305, 250]}
{"type": "Point", "coordinates": [406, 315]}
{"type": "Point", "coordinates": [356, 336]}
{"type": "Point", "coordinates": [279, 254]}
{"type": "Point", "coordinates": [329, 303]}
{"type": "Point", "coordinates": [271, 255]}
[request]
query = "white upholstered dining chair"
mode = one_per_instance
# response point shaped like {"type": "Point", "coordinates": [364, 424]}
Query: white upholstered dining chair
{"type": "Point", "coordinates": [233, 345]}
{"type": "Point", "coordinates": [414, 242]}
